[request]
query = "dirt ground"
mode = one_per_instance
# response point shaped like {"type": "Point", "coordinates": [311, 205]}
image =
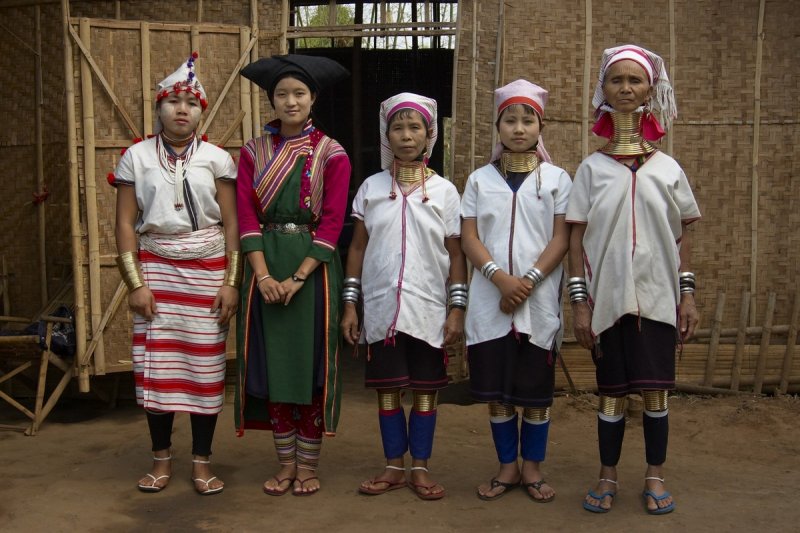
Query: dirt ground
{"type": "Point", "coordinates": [733, 464]}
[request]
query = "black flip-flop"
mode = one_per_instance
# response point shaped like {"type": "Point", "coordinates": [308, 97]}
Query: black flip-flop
{"type": "Point", "coordinates": [493, 484]}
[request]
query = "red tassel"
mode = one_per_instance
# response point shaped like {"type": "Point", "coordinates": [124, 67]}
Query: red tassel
{"type": "Point", "coordinates": [204, 138]}
{"type": "Point", "coordinates": [111, 178]}
{"type": "Point", "coordinates": [195, 55]}
{"type": "Point", "coordinates": [39, 197]}
{"type": "Point", "coordinates": [137, 140]}
{"type": "Point", "coordinates": [151, 135]}
{"type": "Point", "coordinates": [122, 152]}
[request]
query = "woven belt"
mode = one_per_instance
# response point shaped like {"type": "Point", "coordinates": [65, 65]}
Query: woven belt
{"type": "Point", "coordinates": [289, 227]}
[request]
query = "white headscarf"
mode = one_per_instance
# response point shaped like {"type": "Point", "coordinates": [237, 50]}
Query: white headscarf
{"type": "Point", "coordinates": [422, 104]}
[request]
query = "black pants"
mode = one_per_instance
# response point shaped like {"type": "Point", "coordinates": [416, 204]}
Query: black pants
{"type": "Point", "coordinates": [203, 426]}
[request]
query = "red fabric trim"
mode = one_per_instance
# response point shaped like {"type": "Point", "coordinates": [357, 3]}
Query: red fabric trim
{"type": "Point", "coordinates": [521, 100]}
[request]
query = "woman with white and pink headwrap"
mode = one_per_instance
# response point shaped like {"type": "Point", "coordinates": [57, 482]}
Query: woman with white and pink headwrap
{"type": "Point", "coordinates": [630, 285]}
{"type": "Point", "coordinates": [513, 231]}
{"type": "Point", "coordinates": [406, 248]}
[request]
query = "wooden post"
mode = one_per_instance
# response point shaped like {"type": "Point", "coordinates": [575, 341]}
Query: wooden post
{"type": "Point", "coordinates": [90, 193]}
{"type": "Point", "coordinates": [454, 109]}
{"type": "Point", "coordinates": [40, 184]}
{"type": "Point", "coordinates": [473, 86]}
{"type": "Point", "coordinates": [754, 197]}
{"type": "Point", "coordinates": [255, 95]}
{"type": "Point", "coordinates": [716, 326]}
{"type": "Point", "coordinates": [741, 336]}
{"type": "Point", "coordinates": [74, 191]}
{"type": "Point", "coordinates": [673, 51]}
{"type": "Point", "coordinates": [147, 88]}
{"type": "Point", "coordinates": [4, 286]}
{"type": "Point", "coordinates": [195, 39]}
{"type": "Point", "coordinates": [244, 91]}
{"type": "Point", "coordinates": [285, 8]}
{"type": "Point", "coordinates": [199, 10]}
{"type": "Point", "coordinates": [587, 86]}
{"type": "Point", "coordinates": [791, 340]}
{"type": "Point", "coordinates": [498, 61]}
{"type": "Point", "coordinates": [765, 338]}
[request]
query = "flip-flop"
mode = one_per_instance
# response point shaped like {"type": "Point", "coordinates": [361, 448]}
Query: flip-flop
{"type": "Point", "coordinates": [301, 492]}
{"type": "Point", "coordinates": [429, 495]}
{"type": "Point", "coordinates": [538, 486]}
{"type": "Point", "coordinates": [209, 491]}
{"type": "Point", "coordinates": [597, 508]}
{"type": "Point", "coordinates": [153, 487]}
{"type": "Point", "coordinates": [649, 493]}
{"type": "Point", "coordinates": [375, 492]}
{"type": "Point", "coordinates": [278, 491]}
{"type": "Point", "coordinates": [493, 484]}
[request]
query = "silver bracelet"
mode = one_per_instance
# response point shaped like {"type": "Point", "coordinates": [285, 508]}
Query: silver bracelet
{"type": "Point", "coordinates": [534, 275]}
{"type": "Point", "coordinates": [489, 269]}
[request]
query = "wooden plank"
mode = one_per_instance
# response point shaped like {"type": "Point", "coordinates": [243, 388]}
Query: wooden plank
{"type": "Point", "coordinates": [736, 367]}
{"type": "Point", "coordinates": [711, 361]}
{"type": "Point", "coordinates": [90, 196]}
{"type": "Point", "coordinates": [754, 185]}
{"type": "Point", "coordinates": [40, 184]}
{"type": "Point", "coordinates": [232, 128]}
{"type": "Point", "coordinates": [74, 184]}
{"type": "Point", "coordinates": [102, 79]}
{"type": "Point", "coordinates": [111, 310]}
{"type": "Point", "coordinates": [255, 94]}
{"type": "Point", "coordinates": [790, 345]}
{"type": "Point", "coordinates": [587, 87]}
{"type": "Point", "coordinates": [205, 27]}
{"type": "Point", "coordinates": [765, 337]}
{"type": "Point", "coordinates": [244, 92]}
{"type": "Point", "coordinates": [234, 74]}
{"type": "Point", "coordinates": [147, 89]}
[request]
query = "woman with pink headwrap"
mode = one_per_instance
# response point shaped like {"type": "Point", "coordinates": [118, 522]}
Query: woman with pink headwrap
{"type": "Point", "coordinates": [513, 231]}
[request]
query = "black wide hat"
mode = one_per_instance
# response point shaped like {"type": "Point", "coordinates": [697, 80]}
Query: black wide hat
{"type": "Point", "coordinates": [316, 72]}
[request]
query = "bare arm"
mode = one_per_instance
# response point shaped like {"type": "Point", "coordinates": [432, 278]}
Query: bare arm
{"type": "Point", "coordinates": [454, 325]}
{"type": "Point", "coordinates": [227, 299]}
{"type": "Point", "coordinates": [581, 312]}
{"type": "Point", "coordinates": [355, 264]}
{"type": "Point", "coordinates": [141, 300]}
{"type": "Point", "coordinates": [688, 315]}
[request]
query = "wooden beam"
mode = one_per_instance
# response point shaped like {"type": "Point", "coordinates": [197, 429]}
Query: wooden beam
{"type": "Point", "coordinates": [40, 184]}
{"type": "Point", "coordinates": [790, 345]}
{"type": "Point", "coordinates": [764, 348]}
{"type": "Point", "coordinates": [111, 310]}
{"type": "Point", "coordinates": [239, 64]}
{"type": "Point", "coordinates": [587, 87]}
{"type": "Point", "coordinates": [711, 361]}
{"type": "Point", "coordinates": [736, 366]}
{"type": "Point", "coordinates": [90, 196]}
{"type": "Point", "coordinates": [245, 98]}
{"type": "Point", "coordinates": [754, 195]}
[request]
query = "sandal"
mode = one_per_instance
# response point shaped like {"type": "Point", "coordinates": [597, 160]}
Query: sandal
{"type": "Point", "coordinates": [389, 485]}
{"type": "Point", "coordinates": [152, 487]}
{"type": "Point", "coordinates": [298, 491]}
{"type": "Point", "coordinates": [278, 491]}
{"type": "Point", "coordinates": [538, 486]}
{"type": "Point", "coordinates": [208, 491]}
{"type": "Point", "coordinates": [598, 508]}
{"type": "Point", "coordinates": [649, 493]}
{"type": "Point", "coordinates": [493, 484]}
{"type": "Point", "coordinates": [429, 496]}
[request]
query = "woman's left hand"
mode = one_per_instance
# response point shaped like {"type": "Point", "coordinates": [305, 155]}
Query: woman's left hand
{"type": "Point", "coordinates": [226, 302]}
{"type": "Point", "coordinates": [688, 316]}
{"type": "Point", "coordinates": [291, 287]}
{"type": "Point", "coordinates": [454, 326]}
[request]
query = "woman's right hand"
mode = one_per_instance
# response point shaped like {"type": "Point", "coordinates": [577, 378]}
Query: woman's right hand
{"type": "Point", "coordinates": [272, 291]}
{"type": "Point", "coordinates": [582, 324]}
{"type": "Point", "coordinates": [143, 303]}
{"type": "Point", "coordinates": [349, 324]}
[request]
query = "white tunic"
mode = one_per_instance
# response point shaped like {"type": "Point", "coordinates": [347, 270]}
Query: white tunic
{"type": "Point", "coordinates": [406, 264]}
{"type": "Point", "coordinates": [633, 233]}
{"type": "Point", "coordinates": [515, 228]}
{"type": "Point", "coordinates": [156, 196]}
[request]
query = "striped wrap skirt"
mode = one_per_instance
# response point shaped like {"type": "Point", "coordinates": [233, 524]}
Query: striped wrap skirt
{"type": "Point", "coordinates": [179, 356]}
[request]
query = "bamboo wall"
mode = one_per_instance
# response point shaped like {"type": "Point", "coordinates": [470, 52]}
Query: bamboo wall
{"type": "Point", "coordinates": [747, 239]}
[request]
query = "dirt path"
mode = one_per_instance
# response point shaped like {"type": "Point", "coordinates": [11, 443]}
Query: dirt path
{"type": "Point", "coordinates": [733, 465]}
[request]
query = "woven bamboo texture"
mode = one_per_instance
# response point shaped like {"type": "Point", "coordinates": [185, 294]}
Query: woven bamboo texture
{"type": "Point", "coordinates": [714, 76]}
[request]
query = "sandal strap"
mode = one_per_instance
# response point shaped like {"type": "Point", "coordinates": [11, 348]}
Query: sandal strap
{"type": "Point", "coordinates": [206, 481]}
{"type": "Point", "coordinates": [536, 484]}
{"type": "Point", "coordinates": [661, 479]}
{"type": "Point", "coordinates": [613, 481]}
{"type": "Point", "coordinates": [392, 467]}
{"type": "Point", "coordinates": [167, 458]}
{"type": "Point", "coordinates": [201, 462]}
{"type": "Point", "coordinates": [423, 468]}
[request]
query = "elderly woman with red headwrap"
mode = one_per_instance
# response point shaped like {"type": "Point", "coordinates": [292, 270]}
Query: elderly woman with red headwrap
{"type": "Point", "coordinates": [178, 246]}
{"type": "Point", "coordinates": [291, 196]}
{"type": "Point", "coordinates": [631, 290]}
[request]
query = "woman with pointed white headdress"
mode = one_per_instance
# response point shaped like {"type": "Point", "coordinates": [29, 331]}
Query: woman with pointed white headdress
{"type": "Point", "coordinates": [178, 244]}
{"type": "Point", "coordinates": [630, 287]}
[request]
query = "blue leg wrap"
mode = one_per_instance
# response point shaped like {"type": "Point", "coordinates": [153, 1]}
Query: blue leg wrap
{"type": "Point", "coordinates": [506, 436]}
{"type": "Point", "coordinates": [421, 427]}
{"type": "Point", "coordinates": [534, 440]}
{"type": "Point", "coordinates": [393, 432]}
